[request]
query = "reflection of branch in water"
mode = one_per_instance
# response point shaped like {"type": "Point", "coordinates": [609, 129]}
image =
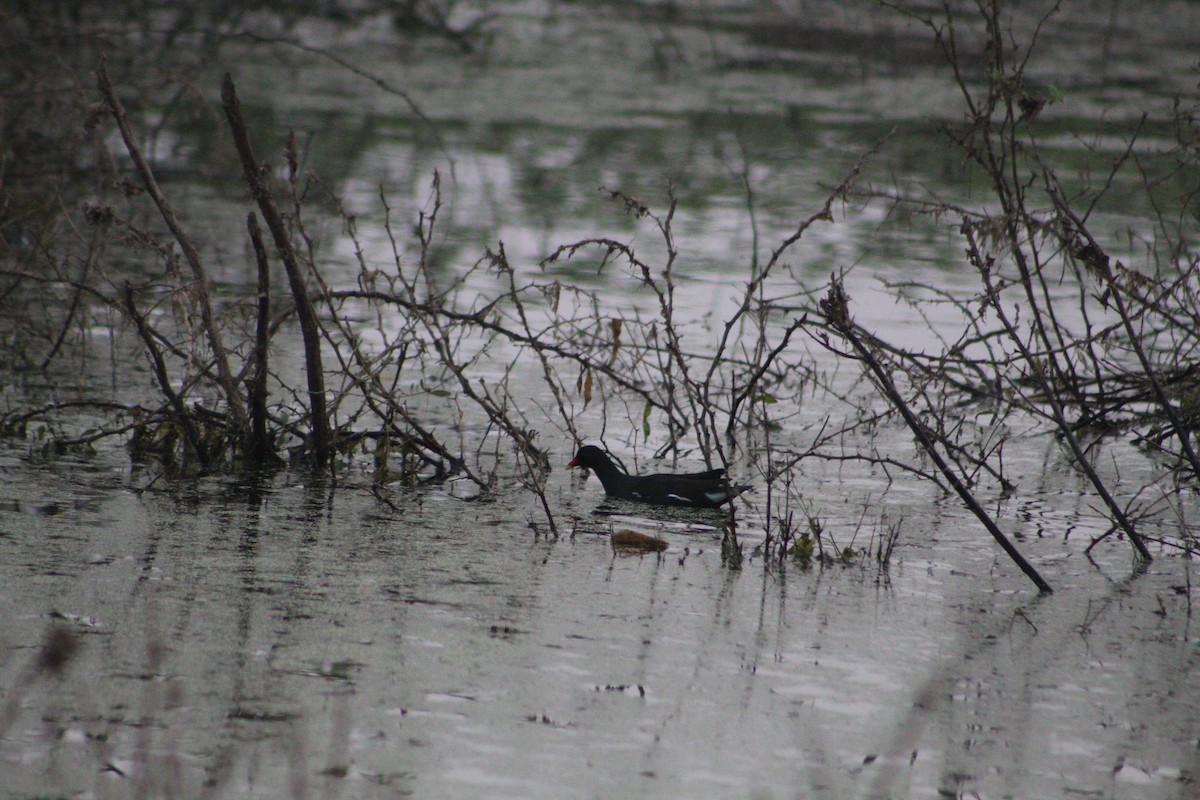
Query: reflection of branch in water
{"type": "Point", "coordinates": [379, 82]}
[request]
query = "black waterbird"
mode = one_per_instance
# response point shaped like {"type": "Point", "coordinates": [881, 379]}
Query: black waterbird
{"type": "Point", "coordinates": [709, 489]}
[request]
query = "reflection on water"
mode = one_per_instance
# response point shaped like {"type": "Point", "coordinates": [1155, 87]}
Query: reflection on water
{"type": "Point", "coordinates": [292, 639]}
{"type": "Point", "coordinates": [294, 642]}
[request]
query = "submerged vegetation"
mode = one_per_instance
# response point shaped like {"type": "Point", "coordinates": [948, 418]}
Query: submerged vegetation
{"type": "Point", "coordinates": [429, 374]}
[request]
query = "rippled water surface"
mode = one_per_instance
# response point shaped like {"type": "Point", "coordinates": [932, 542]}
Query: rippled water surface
{"type": "Point", "coordinates": [298, 640]}
{"type": "Point", "coordinates": [294, 637]}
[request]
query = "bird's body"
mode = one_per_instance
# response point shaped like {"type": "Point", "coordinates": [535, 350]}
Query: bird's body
{"type": "Point", "coordinates": [708, 489]}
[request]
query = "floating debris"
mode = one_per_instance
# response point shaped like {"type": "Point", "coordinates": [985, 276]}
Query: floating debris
{"type": "Point", "coordinates": [634, 541]}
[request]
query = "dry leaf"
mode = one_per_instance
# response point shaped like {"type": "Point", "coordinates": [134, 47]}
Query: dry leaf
{"type": "Point", "coordinates": [632, 540]}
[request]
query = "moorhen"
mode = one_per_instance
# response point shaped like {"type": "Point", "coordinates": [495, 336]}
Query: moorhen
{"type": "Point", "coordinates": [696, 489]}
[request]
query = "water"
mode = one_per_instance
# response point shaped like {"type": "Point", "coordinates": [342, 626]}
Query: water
{"type": "Point", "coordinates": [293, 637]}
{"type": "Point", "coordinates": [303, 641]}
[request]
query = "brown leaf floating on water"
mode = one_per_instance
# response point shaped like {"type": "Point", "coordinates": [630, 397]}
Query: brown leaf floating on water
{"type": "Point", "coordinates": [632, 540]}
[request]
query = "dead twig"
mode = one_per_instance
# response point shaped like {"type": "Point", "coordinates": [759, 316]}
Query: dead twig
{"type": "Point", "coordinates": [233, 397]}
{"type": "Point", "coordinates": [835, 307]}
{"type": "Point", "coordinates": [322, 439]}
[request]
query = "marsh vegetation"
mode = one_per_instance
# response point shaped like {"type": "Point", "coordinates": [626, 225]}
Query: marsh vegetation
{"type": "Point", "coordinates": [366, 261]}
